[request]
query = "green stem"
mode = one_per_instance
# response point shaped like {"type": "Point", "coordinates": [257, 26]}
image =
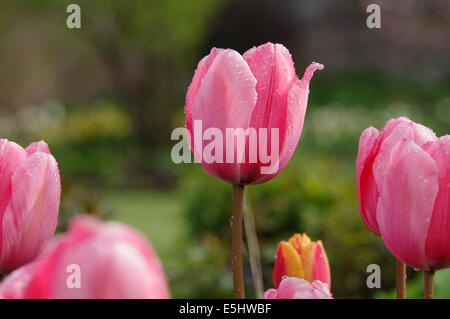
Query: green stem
{"type": "Point", "coordinates": [428, 291]}
{"type": "Point", "coordinates": [253, 247]}
{"type": "Point", "coordinates": [236, 242]}
{"type": "Point", "coordinates": [401, 280]}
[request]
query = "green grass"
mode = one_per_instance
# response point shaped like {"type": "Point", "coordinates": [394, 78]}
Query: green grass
{"type": "Point", "coordinates": [157, 215]}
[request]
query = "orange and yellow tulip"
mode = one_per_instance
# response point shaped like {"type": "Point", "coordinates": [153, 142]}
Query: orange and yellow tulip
{"type": "Point", "coordinates": [302, 258]}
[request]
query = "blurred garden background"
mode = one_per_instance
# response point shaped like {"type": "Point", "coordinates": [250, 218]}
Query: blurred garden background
{"type": "Point", "coordinates": [106, 98]}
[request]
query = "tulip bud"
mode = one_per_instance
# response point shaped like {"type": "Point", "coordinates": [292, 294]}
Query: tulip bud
{"type": "Point", "coordinates": [296, 288]}
{"type": "Point", "coordinates": [30, 190]}
{"type": "Point", "coordinates": [93, 260]}
{"type": "Point", "coordinates": [300, 257]}
{"type": "Point", "coordinates": [259, 98]}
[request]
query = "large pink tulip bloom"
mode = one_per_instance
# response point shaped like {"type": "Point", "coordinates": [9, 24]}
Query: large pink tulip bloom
{"type": "Point", "coordinates": [258, 90]}
{"type": "Point", "coordinates": [374, 158]}
{"type": "Point", "coordinates": [296, 288]}
{"type": "Point", "coordinates": [114, 261]}
{"type": "Point", "coordinates": [30, 190]}
{"type": "Point", "coordinates": [413, 210]}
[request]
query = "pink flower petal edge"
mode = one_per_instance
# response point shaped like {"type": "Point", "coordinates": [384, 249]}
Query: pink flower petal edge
{"type": "Point", "coordinates": [296, 288]}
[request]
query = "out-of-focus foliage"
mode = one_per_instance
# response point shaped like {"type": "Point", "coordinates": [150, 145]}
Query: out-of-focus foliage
{"type": "Point", "coordinates": [414, 287]}
{"type": "Point", "coordinates": [140, 52]}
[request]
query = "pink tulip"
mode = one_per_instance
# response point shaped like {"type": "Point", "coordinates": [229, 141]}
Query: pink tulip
{"type": "Point", "coordinates": [296, 288]}
{"type": "Point", "coordinates": [30, 190]}
{"type": "Point", "coordinates": [413, 209]}
{"type": "Point", "coordinates": [254, 91]}
{"type": "Point", "coordinates": [374, 158]}
{"type": "Point", "coordinates": [107, 260]}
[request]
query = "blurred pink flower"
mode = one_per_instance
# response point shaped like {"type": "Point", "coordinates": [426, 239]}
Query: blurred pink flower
{"type": "Point", "coordinates": [257, 90]}
{"type": "Point", "coordinates": [114, 261]}
{"type": "Point", "coordinates": [374, 159]}
{"type": "Point", "coordinates": [296, 288]}
{"type": "Point", "coordinates": [413, 209]}
{"type": "Point", "coordinates": [30, 190]}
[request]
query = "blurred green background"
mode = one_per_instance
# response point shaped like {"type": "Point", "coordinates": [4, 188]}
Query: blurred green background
{"type": "Point", "coordinates": [107, 96]}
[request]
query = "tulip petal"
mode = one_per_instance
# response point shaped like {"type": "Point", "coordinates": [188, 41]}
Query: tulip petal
{"type": "Point", "coordinates": [31, 216]}
{"type": "Point", "coordinates": [290, 124]}
{"type": "Point", "coordinates": [11, 155]}
{"type": "Point", "coordinates": [297, 102]}
{"type": "Point", "coordinates": [402, 128]}
{"type": "Point", "coordinates": [323, 287]}
{"type": "Point", "coordinates": [406, 203]}
{"type": "Point", "coordinates": [40, 146]}
{"type": "Point", "coordinates": [287, 263]}
{"type": "Point", "coordinates": [200, 72]}
{"type": "Point", "coordinates": [307, 76]}
{"type": "Point", "coordinates": [270, 294]}
{"type": "Point", "coordinates": [299, 242]}
{"type": "Point", "coordinates": [308, 254]}
{"type": "Point", "coordinates": [273, 68]}
{"type": "Point", "coordinates": [102, 273]}
{"type": "Point", "coordinates": [438, 240]}
{"type": "Point", "coordinates": [321, 268]}
{"type": "Point", "coordinates": [274, 71]}
{"type": "Point", "coordinates": [365, 181]}
{"type": "Point", "coordinates": [225, 99]}
{"type": "Point", "coordinates": [295, 117]}
{"type": "Point", "coordinates": [83, 227]}
{"type": "Point", "coordinates": [14, 285]}
{"type": "Point", "coordinates": [115, 262]}
{"type": "Point", "coordinates": [296, 288]}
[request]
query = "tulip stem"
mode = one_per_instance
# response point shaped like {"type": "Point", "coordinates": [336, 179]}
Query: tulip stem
{"type": "Point", "coordinates": [428, 291]}
{"type": "Point", "coordinates": [401, 280]}
{"type": "Point", "coordinates": [236, 241]}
